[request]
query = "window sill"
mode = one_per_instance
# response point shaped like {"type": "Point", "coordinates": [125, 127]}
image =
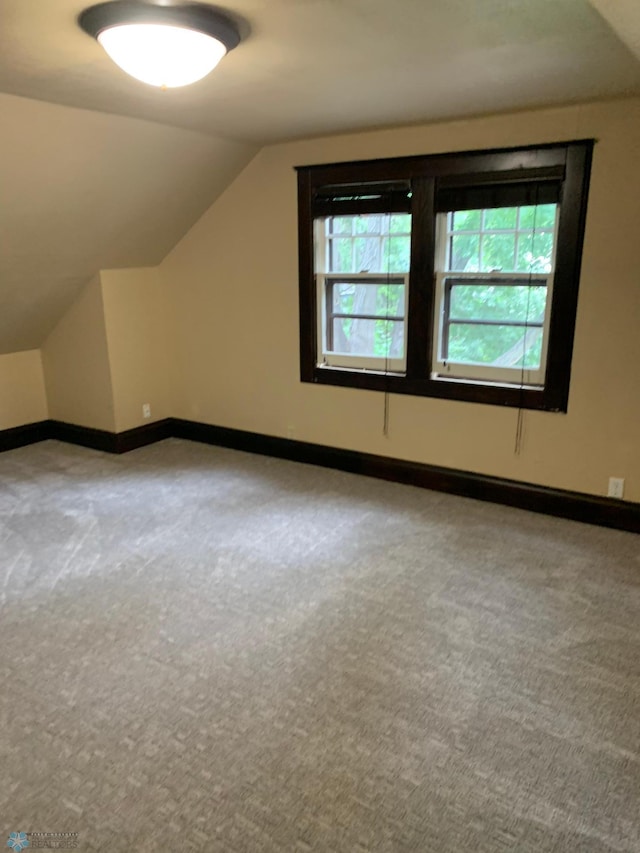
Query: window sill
{"type": "Point", "coordinates": [462, 380]}
{"type": "Point", "coordinates": [367, 371]}
{"type": "Point", "coordinates": [468, 391]}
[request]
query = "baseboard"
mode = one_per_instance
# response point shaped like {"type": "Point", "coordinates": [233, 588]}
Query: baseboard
{"type": "Point", "coordinates": [591, 509]}
{"type": "Point", "coordinates": [20, 436]}
{"type": "Point", "coordinates": [111, 442]}
{"type": "Point", "coordinates": [96, 439]}
{"type": "Point", "coordinates": [140, 436]}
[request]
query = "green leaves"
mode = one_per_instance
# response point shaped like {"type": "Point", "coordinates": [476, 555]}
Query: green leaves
{"type": "Point", "coordinates": [500, 305]}
{"type": "Point", "coordinates": [507, 239]}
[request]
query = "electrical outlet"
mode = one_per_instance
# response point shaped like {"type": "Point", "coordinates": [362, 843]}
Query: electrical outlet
{"type": "Point", "coordinates": [146, 410]}
{"type": "Point", "coordinates": [616, 487]}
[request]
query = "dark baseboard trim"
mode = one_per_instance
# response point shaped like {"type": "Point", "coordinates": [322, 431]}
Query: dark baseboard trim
{"type": "Point", "coordinates": [96, 439]}
{"type": "Point", "coordinates": [140, 436]}
{"type": "Point", "coordinates": [20, 436]}
{"type": "Point", "coordinates": [111, 442]}
{"type": "Point", "coordinates": [591, 509]}
{"type": "Point", "coordinates": [578, 506]}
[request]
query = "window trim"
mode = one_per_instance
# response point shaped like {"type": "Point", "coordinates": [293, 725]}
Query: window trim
{"type": "Point", "coordinates": [432, 177]}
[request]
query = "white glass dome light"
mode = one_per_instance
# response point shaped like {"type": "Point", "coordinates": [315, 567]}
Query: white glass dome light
{"type": "Point", "coordinates": [165, 46]}
{"type": "Point", "coordinates": [161, 55]}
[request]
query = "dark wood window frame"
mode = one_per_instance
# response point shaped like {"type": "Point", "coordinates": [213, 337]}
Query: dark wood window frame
{"type": "Point", "coordinates": [423, 186]}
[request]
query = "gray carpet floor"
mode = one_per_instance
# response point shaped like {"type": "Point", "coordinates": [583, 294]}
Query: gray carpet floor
{"type": "Point", "coordinates": [207, 650]}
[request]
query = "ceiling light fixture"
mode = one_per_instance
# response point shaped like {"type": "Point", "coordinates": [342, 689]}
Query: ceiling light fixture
{"type": "Point", "coordinates": [164, 46]}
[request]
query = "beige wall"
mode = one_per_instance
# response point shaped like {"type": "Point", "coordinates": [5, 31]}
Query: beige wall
{"type": "Point", "coordinates": [140, 345]}
{"type": "Point", "coordinates": [233, 281]}
{"type": "Point", "coordinates": [76, 364]}
{"type": "Point", "coordinates": [22, 394]}
{"type": "Point", "coordinates": [113, 351]}
{"type": "Point", "coordinates": [212, 334]}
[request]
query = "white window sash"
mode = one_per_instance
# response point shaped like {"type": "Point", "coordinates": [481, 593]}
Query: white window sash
{"type": "Point", "coordinates": [452, 370]}
{"type": "Point", "coordinates": [379, 364]}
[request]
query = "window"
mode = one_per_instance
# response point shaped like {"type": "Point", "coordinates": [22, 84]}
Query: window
{"type": "Point", "coordinates": [493, 293]}
{"type": "Point", "coordinates": [449, 275]}
{"type": "Point", "coordinates": [362, 270]}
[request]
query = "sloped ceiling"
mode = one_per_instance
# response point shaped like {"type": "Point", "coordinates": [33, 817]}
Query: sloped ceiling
{"type": "Point", "coordinates": [85, 183]}
{"type": "Point", "coordinates": [82, 191]}
{"type": "Point", "coordinates": [624, 18]}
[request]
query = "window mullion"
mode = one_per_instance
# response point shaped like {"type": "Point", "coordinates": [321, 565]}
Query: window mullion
{"type": "Point", "coordinates": [329, 314]}
{"type": "Point", "coordinates": [421, 279]}
{"type": "Point", "coordinates": [446, 320]}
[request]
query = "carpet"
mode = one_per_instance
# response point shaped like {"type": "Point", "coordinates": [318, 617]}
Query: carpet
{"type": "Point", "coordinates": [202, 649]}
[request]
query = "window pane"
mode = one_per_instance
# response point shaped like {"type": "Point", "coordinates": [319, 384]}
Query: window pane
{"type": "Point", "coordinates": [400, 223]}
{"type": "Point", "coordinates": [340, 224]}
{"type": "Point", "coordinates": [500, 217]}
{"type": "Point", "coordinates": [535, 251]}
{"type": "Point", "coordinates": [466, 220]}
{"type": "Point", "coordinates": [340, 254]}
{"type": "Point", "coordinates": [498, 346]}
{"type": "Point", "coordinates": [377, 338]}
{"type": "Point", "coordinates": [370, 223]}
{"type": "Point", "coordinates": [381, 300]}
{"type": "Point", "coordinates": [527, 248]}
{"type": "Point", "coordinates": [396, 252]}
{"type": "Point", "coordinates": [343, 297]}
{"type": "Point", "coordinates": [538, 216]}
{"type": "Point", "coordinates": [511, 303]}
{"type": "Point", "coordinates": [368, 254]}
{"type": "Point", "coordinates": [498, 252]}
{"type": "Point", "coordinates": [465, 252]}
{"type": "Point", "coordinates": [374, 243]}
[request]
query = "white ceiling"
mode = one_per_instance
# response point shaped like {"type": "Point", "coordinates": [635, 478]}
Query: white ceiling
{"type": "Point", "coordinates": [85, 184]}
{"type": "Point", "coordinates": [319, 66]}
